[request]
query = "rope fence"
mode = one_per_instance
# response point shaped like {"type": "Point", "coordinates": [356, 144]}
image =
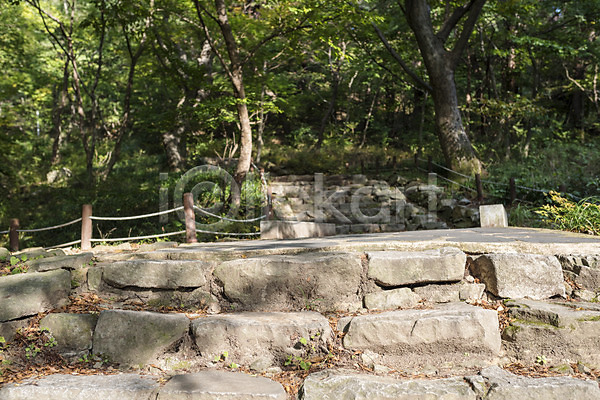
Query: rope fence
{"type": "Point", "coordinates": [87, 219]}
{"type": "Point", "coordinates": [479, 182]}
{"type": "Point", "coordinates": [49, 228]}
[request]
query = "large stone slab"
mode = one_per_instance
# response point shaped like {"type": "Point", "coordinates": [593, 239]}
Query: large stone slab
{"type": "Point", "coordinates": [137, 337]}
{"type": "Point", "coordinates": [156, 274]}
{"type": "Point", "coordinates": [22, 295]}
{"type": "Point", "coordinates": [315, 281]}
{"type": "Point", "coordinates": [398, 268]}
{"type": "Point", "coordinates": [339, 385]}
{"type": "Point", "coordinates": [73, 332]}
{"type": "Point", "coordinates": [82, 387]}
{"type": "Point", "coordinates": [260, 339]}
{"type": "Point", "coordinates": [506, 386]}
{"type": "Point", "coordinates": [561, 332]}
{"type": "Point", "coordinates": [67, 262]}
{"type": "Point", "coordinates": [515, 275]}
{"type": "Point", "coordinates": [220, 385]}
{"type": "Point", "coordinates": [454, 332]}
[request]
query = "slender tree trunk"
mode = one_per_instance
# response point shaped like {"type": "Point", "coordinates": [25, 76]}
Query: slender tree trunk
{"type": "Point", "coordinates": [237, 80]}
{"type": "Point", "coordinates": [61, 100]}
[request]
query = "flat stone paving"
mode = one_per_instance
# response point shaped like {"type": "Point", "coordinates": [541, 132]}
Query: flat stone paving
{"type": "Point", "coordinates": [472, 240]}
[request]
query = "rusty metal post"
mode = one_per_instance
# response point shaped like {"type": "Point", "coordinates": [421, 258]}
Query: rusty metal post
{"type": "Point", "coordinates": [13, 235]}
{"type": "Point", "coordinates": [86, 227]}
{"type": "Point", "coordinates": [429, 164]}
{"type": "Point", "coordinates": [269, 207]}
{"type": "Point", "coordinates": [190, 219]}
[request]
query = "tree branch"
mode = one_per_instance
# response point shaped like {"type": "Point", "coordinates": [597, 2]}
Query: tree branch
{"type": "Point", "coordinates": [468, 27]}
{"type": "Point", "coordinates": [400, 61]}
{"type": "Point", "coordinates": [451, 22]}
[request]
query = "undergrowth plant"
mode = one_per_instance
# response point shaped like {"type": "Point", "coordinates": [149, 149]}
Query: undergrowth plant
{"type": "Point", "coordinates": [565, 214]}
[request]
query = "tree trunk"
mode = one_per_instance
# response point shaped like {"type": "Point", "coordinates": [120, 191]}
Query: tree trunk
{"type": "Point", "coordinates": [455, 143]}
{"type": "Point", "coordinates": [441, 64]}
{"type": "Point", "coordinates": [237, 80]}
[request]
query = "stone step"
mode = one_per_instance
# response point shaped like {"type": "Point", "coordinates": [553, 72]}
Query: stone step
{"type": "Point", "coordinates": [197, 386]}
{"type": "Point", "coordinates": [492, 383]}
{"type": "Point", "coordinates": [446, 336]}
{"type": "Point", "coordinates": [553, 333]}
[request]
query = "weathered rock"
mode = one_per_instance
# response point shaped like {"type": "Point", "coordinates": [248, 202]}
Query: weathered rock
{"type": "Point", "coordinates": [516, 275]}
{"type": "Point", "coordinates": [316, 281]}
{"type": "Point", "coordinates": [396, 268]}
{"type": "Point", "coordinates": [439, 293]}
{"type": "Point", "coordinates": [557, 331]}
{"type": "Point", "coordinates": [66, 262]}
{"type": "Point", "coordinates": [4, 253]}
{"type": "Point", "coordinates": [268, 337]}
{"type": "Point", "coordinates": [455, 332]}
{"type": "Point", "coordinates": [222, 385]}
{"type": "Point", "coordinates": [584, 270]}
{"type": "Point", "coordinates": [82, 387]}
{"type": "Point", "coordinates": [156, 274]}
{"type": "Point", "coordinates": [330, 385]}
{"type": "Point", "coordinates": [28, 294]}
{"type": "Point", "coordinates": [506, 386]}
{"type": "Point", "coordinates": [391, 299]}
{"type": "Point", "coordinates": [73, 332]}
{"type": "Point", "coordinates": [156, 246]}
{"type": "Point", "coordinates": [8, 330]}
{"type": "Point", "coordinates": [137, 337]}
{"type": "Point", "coordinates": [471, 291]}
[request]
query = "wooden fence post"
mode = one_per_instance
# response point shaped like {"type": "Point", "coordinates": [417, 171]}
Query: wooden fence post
{"type": "Point", "coordinates": [512, 189]}
{"type": "Point", "coordinates": [416, 160]}
{"type": "Point", "coordinates": [479, 188]}
{"type": "Point", "coordinates": [269, 207]}
{"type": "Point", "coordinates": [190, 219]}
{"type": "Point", "coordinates": [86, 227]}
{"type": "Point", "coordinates": [429, 164]}
{"type": "Point", "coordinates": [13, 235]}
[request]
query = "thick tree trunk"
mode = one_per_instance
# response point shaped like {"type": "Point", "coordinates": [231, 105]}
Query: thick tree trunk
{"type": "Point", "coordinates": [441, 64]}
{"type": "Point", "coordinates": [455, 143]}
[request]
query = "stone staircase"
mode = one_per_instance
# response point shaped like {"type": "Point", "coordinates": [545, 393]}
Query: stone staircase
{"type": "Point", "coordinates": [355, 204]}
{"type": "Point", "coordinates": [378, 319]}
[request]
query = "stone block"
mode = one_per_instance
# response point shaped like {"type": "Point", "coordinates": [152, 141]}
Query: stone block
{"type": "Point", "coordinates": [82, 387]}
{"type": "Point", "coordinates": [391, 299]}
{"type": "Point", "coordinates": [71, 262]}
{"type": "Point", "coordinates": [73, 332]}
{"type": "Point", "coordinates": [169, 274]}
{"type": "Point", "coordinates": [23, 295]}
{"type": "Point", "coordinates": [220, 385]}
{"type": "Point", "coordinates": [314, 281]}
{"type": "Point", "coordinates": [558, 331]}
{"type": "Point", "coordinates": [340, 385]}
{"type": "Point", "coordinates": [134, 338]}
{"type": "Point", "coordinates": [518, 275]}
{"type": "Point", "coordinates": [253, 337]}
{"type": "Point", "coordinates": [493, 216]}
{"type": "Point", "coordinates": [397, 268]}
{"type": "Point", "coordinates": [294, 230]}
{"type": "Point", "coordinates": [503, 386]}
{"type": "Point", "coordinates": [439, 293]}
{"type": "Point", "coordinates": [455, 332]}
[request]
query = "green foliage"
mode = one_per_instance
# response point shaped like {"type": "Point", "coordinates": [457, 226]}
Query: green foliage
{"type": "Point", "coordinates": [562, 213]}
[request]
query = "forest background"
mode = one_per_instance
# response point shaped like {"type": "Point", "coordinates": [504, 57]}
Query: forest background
{"type": "Point", "coordinates": [98, 97]}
